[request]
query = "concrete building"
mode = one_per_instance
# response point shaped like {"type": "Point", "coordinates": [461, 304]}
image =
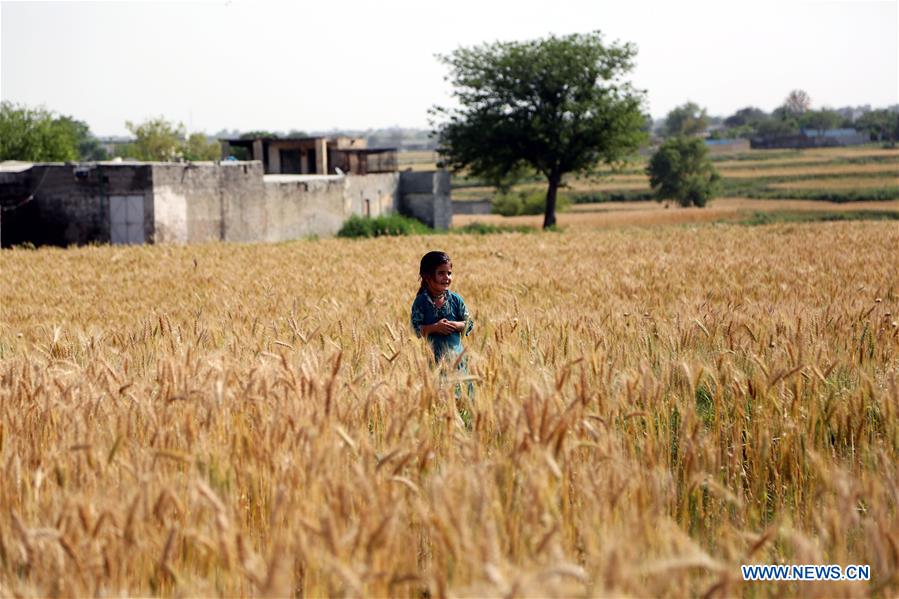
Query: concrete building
{"type": "Point", "coordinates": [312, 155]}
{"type": "Point", "coordinates": [140, 202]}
{"type": "Point", "coordinates": [811, 138]}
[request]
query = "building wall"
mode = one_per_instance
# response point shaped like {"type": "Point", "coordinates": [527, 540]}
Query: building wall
{"type": "Point", "coordinates": [199, 202]}
{"type": "Point", "coordinates": [302, 206]}
{"type": "Point", "coordinates": [380, 192]}
{"type": "Point", "coordinates": [70, 203]}
{"type": "Point", "coordinates": [235, 202]}
{"type": "Point", "coordinates": [298, 208]}
{"type": "Point", "coordinates": [206, 201]}
{"type": "Point", "coordinates": [426, 196]}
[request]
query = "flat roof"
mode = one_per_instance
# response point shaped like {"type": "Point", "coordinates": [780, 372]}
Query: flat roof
{"type": "Point", "coordinates": [15, 166]}
{"type": "Point", "coordinates": [238, 140]}
{"type": "Point", "coordinates": [299, 178]}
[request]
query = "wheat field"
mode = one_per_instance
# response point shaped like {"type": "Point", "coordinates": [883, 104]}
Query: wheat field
{"type": "Point", "coordinates": [820, 177]}
{"type": "Point", "coordinates": [642, 214]}
{"type": "Point", "coordinates": [838, 183]}
{"type": "Point", "coordinates": [887, 169]}
{"type": "Point", "coordinates": [653, 408]}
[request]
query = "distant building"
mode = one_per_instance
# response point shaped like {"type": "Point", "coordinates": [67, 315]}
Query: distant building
{"type": "Point", "coordinates": [113, 144]}
{"type": "Point", "coordinates": [313, 155]}
{"type": "Point", "coordinates": [811, 138]}
{"type": "Point", "coordinates": [842, 134]}
{"type": "Point", "coordinates": [727, 146]}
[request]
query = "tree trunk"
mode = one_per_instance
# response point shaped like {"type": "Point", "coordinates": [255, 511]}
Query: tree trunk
{"type": "Point", "coordinates": [549, 218]}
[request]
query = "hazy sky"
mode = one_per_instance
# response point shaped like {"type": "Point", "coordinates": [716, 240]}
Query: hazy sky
{"type": "Point", "coordinates": [366, 64]}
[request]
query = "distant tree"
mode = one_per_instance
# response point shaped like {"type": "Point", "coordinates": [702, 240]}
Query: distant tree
{"type": "Point", "coordinates": [258, 134]}
{"type": "Point", "coordinates": [156, 139]}
{"type": "Point", "coordinates": [35, 135]}
{"type": "Point", "coordinates": [89, 147]}
{"type": "Point", "coordinates": [199, 147]}
{"type": "Point", "coordinates": [851, 113]}
{"type": "Point", "coordinates": [821, 120]}
{"type": "Point", "coordinates": [226, 134]}
{"type": "Point", "coordinates": [681, 170]}
{"type": "Point", "coordinates": [557, 105]}
{"type": "Point", "coordinates": [797, 103]}
{"type": "Point", "coordinates": [687, 119]}
{"type": "Point", "coordinates": [880, 125]}
{"type": "Point", "coordinates": [748, 116]}
{"type": "Point", "coordinates": [777, 126]}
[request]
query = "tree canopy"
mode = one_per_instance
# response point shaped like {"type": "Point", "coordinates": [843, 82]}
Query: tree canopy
{"type": "Point", "coordinates": [556, 105]}
{"type": "Point", "coordinates": [155, 139]}
{"type": "Point", "coordinates": [821, 120]}
{"type": "Point", "coordinates": [880, 125]}
{"type": "Point", "coordinates": [775, 126]}
{"type": "Point", "coordinates": [36, 135]}
{"type": "Point", "coordinates": [687, 119]}
{"type": "Point", "coordinates": [749, 116]}
{"type": "Point", "coordinates": [681, 170]}
{"type": "Point", "coordinates": [259, 133]}
{"type": "Point", "coordinates": [87, 145]}
{"type": "Point", "coordinates": [199, 147]}
{"type": "Point", "coordinates": [797, 103]}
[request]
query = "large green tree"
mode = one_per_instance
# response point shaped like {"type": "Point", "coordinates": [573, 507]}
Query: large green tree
{"type": "Point", "coordinates": [681, 170]}
{"type": "Point", "coordinates": [35, 135]}
{"type": "Point", "coordinates": [556, 105]}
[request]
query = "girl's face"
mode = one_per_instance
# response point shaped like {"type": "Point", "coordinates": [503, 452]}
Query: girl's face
{"type": "Point", "coordinates": [440, 281]}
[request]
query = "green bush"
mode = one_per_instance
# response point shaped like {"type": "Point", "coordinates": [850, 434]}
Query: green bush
{"type": "Point", "coordinates": [506, 204]}
{"type": "Point", "coordinates": [883, 194]}
{"type": "Point", "coordinates": [514, 204]}
{"type": "Point", "coordinates": [361, 226]}
{"type": "Point", "coordinates": [767, 218]}
{"type": "Point", "coordinates": [477, 228]}
{"type": "Point", "coordinates": [681, 170]}
{"type": "Point", "coordinates": [381, 226]}
{"type": "Point", "coordinates": [622, 195]}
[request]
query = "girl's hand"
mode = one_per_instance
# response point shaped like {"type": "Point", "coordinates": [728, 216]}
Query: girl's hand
{"type": "Point", "coordinates": [444, 327]}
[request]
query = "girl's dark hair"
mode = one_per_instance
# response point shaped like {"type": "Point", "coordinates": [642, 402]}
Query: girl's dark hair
{"type": "Point", "coordinates": [429, 264]}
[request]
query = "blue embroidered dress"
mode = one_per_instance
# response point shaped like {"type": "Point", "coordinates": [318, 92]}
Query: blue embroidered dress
{"type": "Point", "coordinates": [425, 312]}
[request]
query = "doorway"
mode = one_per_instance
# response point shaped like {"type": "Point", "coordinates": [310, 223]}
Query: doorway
{"type": "Point", "coordinates": [126, 219]}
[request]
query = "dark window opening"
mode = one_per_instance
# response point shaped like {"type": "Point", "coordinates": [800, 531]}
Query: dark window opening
{"type": "Point", "coordinates": [290, 162]}
{"type": "Point", "coordinates": [239, 153]}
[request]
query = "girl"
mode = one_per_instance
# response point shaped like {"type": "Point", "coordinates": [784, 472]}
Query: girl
{"type": "Point", "coordinates": [438, 313]}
